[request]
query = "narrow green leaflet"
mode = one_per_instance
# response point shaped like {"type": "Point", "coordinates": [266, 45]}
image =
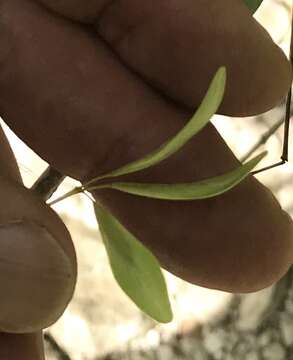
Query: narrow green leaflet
{"type": "Point", "coordinates": [206, 110]}
{"type": "Point", "coordinates": [253, 4]}
{"type": "Point", "coordinates": [136, 270]}
{"type": "Point", "coordinates": [191, 191]}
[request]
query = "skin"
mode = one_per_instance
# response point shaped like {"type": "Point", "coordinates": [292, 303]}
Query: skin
{"type": "Point", "coordinates": [168, 42]}
{"type": "Point", "coordinates": [17, 346]}
{"type": "Point", "coordinates": [31, 210]}
{"type": "Point", "coordinates": [42, 276]}
{"type": "Point", "coordinates": [71, 98]}
{"type": "Point", "coordinates": [24, 346]}
{"type": "Point", "coordinates": [63, 117]}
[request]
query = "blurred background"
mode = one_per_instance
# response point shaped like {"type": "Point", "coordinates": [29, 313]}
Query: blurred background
{"type": "Point", "coordinates": [102, 323]}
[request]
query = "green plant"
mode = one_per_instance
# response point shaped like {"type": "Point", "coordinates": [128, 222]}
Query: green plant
{"type": "Point", "coordinates": [134, 267]}
{"type": "Point", "coordinates": [253, 4]}
{"type": "Point", "coordinates": [62, 123]}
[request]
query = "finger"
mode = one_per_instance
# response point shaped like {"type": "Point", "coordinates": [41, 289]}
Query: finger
{"type": "Point", "coordinates": [8, 165]}
{"type": "Point", "coordinates": [24, 346]}
{"type": "Point", "coordinates": [85, 12]}
{"type": "Point", "coordinates": [91, 115]}
{"type": "Point", "coordinates": [178, 46]}
{"type": "Point", "coordinates": [37, 262]}
{"type": "Point", "coordinates": [12, 346]}
{"type": "Point", "coordinates": [223, 243]}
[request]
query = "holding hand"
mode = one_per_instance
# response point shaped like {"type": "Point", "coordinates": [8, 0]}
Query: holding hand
{"type": "Point", "coordinates": [93, 85]}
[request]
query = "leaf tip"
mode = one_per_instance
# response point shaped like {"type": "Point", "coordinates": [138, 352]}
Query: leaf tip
{"type": "Point", "coordinates": [259, 157]}
{"type": "Point", "coordinates": [167, 317]}
{"type": "Point", "coordinates": [222, 74]}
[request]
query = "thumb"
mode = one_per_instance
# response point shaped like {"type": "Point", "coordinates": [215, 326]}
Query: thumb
{"type": "Point", "coordinates": [16, 346]}
{"type": "Point", "coordinates": [37, 261]}
{"type": "Point", "coordinates": [24, 347]}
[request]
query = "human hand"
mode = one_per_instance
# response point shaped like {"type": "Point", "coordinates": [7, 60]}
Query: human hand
{"type": "Point", "coordinates": [88, 107]}
{"type": "Point", "coordinates": [37, 263]}
{"type": "Point", "coordinates": [178, 46]}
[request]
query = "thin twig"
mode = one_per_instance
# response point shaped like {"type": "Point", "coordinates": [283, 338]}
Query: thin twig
{"type": "Point", "coordinates": [263, 139]}
{"type": "Point", "coordinates": [270, 167]}
{"type": "Point", "coordinates": [48, 182]}
{"type": "Point", "coordinates": [284, 156]}
{"type": "Point", "coordinates": [74, 191]}
{"type": "Point", "coordinates": [56, 347]}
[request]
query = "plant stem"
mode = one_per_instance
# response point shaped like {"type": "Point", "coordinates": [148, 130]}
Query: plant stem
{"type": "Point", "coordinates": [284, 156]}
{"type": "Point", "coordinates": [48, 182]}
{"type": "Point", "coordinates": [63, 355]}
{"type": "Point", "coordinates": [97, 187]}
{"type": "Point", "coordinates": [70, 193]}
{"type": "Point", "coordinates": [263, 139]}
